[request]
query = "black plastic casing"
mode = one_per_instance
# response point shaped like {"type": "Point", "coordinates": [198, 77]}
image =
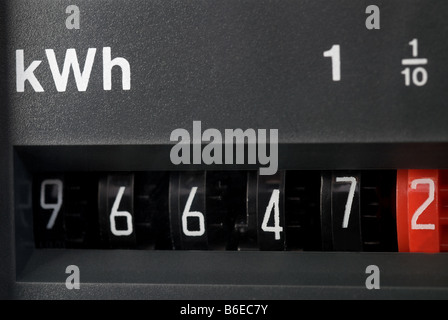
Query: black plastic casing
{"type": "Point", "coordinates": [229, 64]}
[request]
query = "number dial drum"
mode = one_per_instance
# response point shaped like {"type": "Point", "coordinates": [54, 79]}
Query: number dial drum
{"type": "Point", "coordinates": [188, 211]}
{"type": "Point", "coordinates": [340, 211]}
{"type": "Point", "coordinates": [116, 211]}
{"type": "Point", "coordinates": [49, 230]}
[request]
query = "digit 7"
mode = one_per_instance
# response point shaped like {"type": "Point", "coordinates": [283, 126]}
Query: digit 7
{"type": "Point", "coordinates": [351, 195]}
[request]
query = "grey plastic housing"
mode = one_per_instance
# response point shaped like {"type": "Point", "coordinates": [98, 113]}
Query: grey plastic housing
{"type": "Point", "coordinates": [229, 64]}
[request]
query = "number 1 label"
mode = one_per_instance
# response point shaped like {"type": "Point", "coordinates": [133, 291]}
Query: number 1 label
{"type": "Point", "coordinates": [335, 55]}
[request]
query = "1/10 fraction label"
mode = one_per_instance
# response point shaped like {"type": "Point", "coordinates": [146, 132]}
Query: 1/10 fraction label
{"type": "Point", "coordinates": [414, 73]}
